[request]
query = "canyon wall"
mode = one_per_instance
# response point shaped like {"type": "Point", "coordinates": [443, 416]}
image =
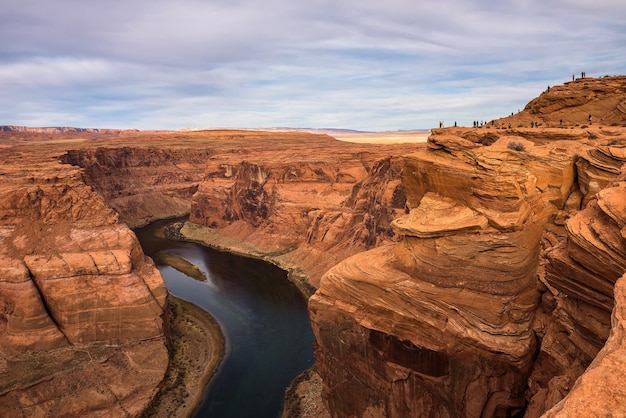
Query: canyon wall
{"type": "Point", "coordinates": [500, 293]}
{"type": "Point", "coordinates": [81, 327]}
{"type": "Point", "coordinates": [302, 201]}
{"type": "Point", "coordinates": [582, 274]}
{"type": "Point", "coordinates": [142, 182]}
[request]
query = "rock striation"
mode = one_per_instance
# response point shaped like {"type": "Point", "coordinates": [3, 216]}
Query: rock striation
{"type": "Point", "coordinates": [303, 201]}
{"type": "Point", "coordinates": [142, 182]}
{"type": "Point", "coordinates": [81, 327]}
{"type": "Point", "coordinates": [500, 293]}
{"type": "Point", "coordinates": [447, 313]}
{"type": "Point", "coordinates": [580, 273]}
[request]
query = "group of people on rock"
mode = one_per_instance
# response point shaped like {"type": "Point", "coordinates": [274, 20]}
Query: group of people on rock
{"type": "Point", "coordinates": [481, 123]}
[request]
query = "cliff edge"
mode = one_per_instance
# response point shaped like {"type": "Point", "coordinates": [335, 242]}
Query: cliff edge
{"type": "Point", "coordinates": [81, 327]}
{"type": "Point", "coordinates": [499, 295]}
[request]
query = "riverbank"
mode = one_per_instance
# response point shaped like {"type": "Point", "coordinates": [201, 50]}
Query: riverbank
{"type": "Point", "coordinates": [196, 350]}
{"type": "Point", "coordinates": [212, 238]}
{"type": "Point", "coordinates": [303, 397]}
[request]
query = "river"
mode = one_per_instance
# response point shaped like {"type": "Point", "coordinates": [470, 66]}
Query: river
{"type": "Point", "coordinates": [262, 314]}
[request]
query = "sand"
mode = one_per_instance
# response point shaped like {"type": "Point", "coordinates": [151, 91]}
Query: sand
{"type": "Point", "coordinates": [392, 137]}
{"type": "Point", "coordinates": [196, 350]}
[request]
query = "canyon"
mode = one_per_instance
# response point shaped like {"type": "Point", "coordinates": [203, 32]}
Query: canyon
{"type": "Point", "coordinates": [77, 293]}
{"type": "Point", "coordinates": [477, 274]}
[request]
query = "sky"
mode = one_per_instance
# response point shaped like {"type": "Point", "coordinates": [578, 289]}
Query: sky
{"type": "Point", "coordinates": [367, 65]}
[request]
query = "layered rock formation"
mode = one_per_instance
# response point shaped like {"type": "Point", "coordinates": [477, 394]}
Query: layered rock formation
{"type": "Point", "coordinates": [301, 200]}
{"type": "Point", "coordinates": [571, 104]}
{"type": "Point", "coordinates": [142, 182]}
{"type": "Point", "coordinates": [500, 293]}
{"type": "Point", "coordinates": [305, 201]}
{"type": "Point", "coordinates": [446, 316]}
{"type": "Point", "coordinates": [580, 273]}
{"type": "Point", "coordinates": [81, 328]}
{"type": "Point", "coordinates": [600, 390]}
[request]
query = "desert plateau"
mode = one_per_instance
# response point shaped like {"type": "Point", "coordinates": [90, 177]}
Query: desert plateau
{"type": "Point", "coordinates": [460, 272]}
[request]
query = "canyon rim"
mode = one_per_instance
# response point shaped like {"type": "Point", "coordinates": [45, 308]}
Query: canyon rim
{"type": "Point", "coordinates": [476, 275]}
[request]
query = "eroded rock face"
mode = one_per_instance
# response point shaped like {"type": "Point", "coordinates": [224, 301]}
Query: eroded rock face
{"type": "Point", "coordinates": [305, 201]}
{"type": "Point", "coordinates": [81, 328]}
{"type": "Point", "coordinates": [78, 295]}
{"type": "Point", "coordinates": [445, 317]}
{"type": "Point", "coordinates": [500, 293]}
{"type": "Point", "coordinates": [142, 181]}
{"type": "Point", "coordinates": [600, 390]}
{"type": "Point", "coordinates": [580, 273]}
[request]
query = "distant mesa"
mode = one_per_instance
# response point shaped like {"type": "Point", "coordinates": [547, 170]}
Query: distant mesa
{"type": "Point", "coordinates": [57, 129]}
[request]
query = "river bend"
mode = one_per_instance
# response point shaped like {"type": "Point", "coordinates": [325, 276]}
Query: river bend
{"type": "Point", "coordinates": [262, 314]}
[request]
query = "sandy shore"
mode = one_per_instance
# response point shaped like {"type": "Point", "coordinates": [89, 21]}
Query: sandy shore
{"type": "Point", "coordinates": [196, 350]}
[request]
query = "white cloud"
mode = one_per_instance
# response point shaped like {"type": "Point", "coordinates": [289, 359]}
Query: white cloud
{"type": "Point", "coordinates": [365, 65]}
{"type": "Point", "coordinates": [64, 72]}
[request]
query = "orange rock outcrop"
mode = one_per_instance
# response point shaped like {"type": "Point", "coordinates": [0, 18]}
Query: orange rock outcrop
{"type": "Point", "coordinates": [81, 327]}
{"type": "Point", "coordinates": [500, 293]}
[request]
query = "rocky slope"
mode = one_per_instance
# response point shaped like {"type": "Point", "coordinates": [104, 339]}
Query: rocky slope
{"type": "Point", "coordinates": [571, 104]}
{"type": "Point", "coordinates": [500, 293]}
{"type": "Point", "coordinates": [81, 328]}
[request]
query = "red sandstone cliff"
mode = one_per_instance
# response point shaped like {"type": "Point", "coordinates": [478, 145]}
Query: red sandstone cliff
{"type": "Point", "coordinates": [500, 294]}
{"type": "Point", "coordinates": [81, 331]}
{"type": "Point", "coordinates": [142, 181]}
{"type": "Point", "coordinates": [304, 201]}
